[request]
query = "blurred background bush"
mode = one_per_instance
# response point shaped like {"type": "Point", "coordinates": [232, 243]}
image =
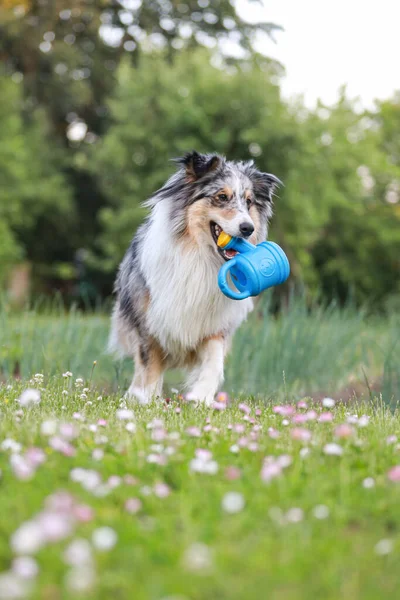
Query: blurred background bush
{"type": "Point", "coordinates": [96, 97]}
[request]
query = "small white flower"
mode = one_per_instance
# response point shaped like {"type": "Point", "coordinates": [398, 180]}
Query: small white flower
{"type": "Point", "coordinates": [83, 396]}
{"type": "Point", "coordinates": [383, 547]}
{"type": "Point", "coordinates": [304, 452]}
{"type": "Point", "coordinates": [97, 454]}
{"type": "Point", "coordinates": [234, 449]}
{"type": "Point", "coordinates": [368, 483]}
{"type": "Point", "coordinates": [104, 538]}
{"type": "Point", "coordinates": [12, 445]}
{"type": "Point", "coordinates": [363, 421]}
{"type": "Point", "coordinates": [391, 439]}
{"type": "Point", "coordinates": [197, 558]}
{"type": "Point", "coordinates": [294, 515]}
{"type": "Point", "coordinates": [28, 538]}
{"type": "Point", "coordinates": [333, 449]}
{"type": "Point", "coordinates": [321, 511]}
{"type": "Point", "coordinates": [67, 374]}
{"type": "Point", "coordinates": [233, 502]}
{"type": "Point", "coordinates": [131, 427]}
{"type": "Point", "coordinates": [48, 427]}
{"type": "Point", "coordinates": [25, 567]}
{"type": "Point", "coordinates": [80, 578]}
{"type": "Point", "coordinates": [13, 587]}
{"type": "Point", "coordinates": [28, 397]}
{"type": "Point", "coordinates": [124, 414]}
{"type": "Point", "coordinates": [285, 422]}
{"type": "Point", "coordinates": [78, 552]}
{"type": "Point", "coordinates": [328, 402]}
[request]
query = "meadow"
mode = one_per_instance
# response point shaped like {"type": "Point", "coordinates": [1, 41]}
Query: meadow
{"type": "Point", "coordinates": [278, 491]}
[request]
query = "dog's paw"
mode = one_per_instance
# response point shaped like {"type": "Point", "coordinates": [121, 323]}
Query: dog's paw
{"type": "Point", "coordinates": [135, 394]}
{"type": "Point", "coordinates": [200, 397]}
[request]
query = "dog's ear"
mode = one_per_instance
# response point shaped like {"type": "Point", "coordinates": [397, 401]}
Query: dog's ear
{"type": "Point", "coordinates": [264, 184]}
{"type": "Point", "coordinates": [197, 165]}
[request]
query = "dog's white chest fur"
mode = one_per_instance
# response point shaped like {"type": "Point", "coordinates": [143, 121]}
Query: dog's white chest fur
{"type": "Point", "coordinates": [186, 304]}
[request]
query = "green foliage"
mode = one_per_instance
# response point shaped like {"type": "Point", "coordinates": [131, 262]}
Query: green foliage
{"type": "Point", "coordinates": [35, 202]}
{"type": "Point", "coordinates": [160, 109]}
{"type": "Point", "coordinates": [303, 351]}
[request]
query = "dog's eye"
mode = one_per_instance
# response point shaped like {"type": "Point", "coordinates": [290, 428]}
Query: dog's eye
{"type": "Point", "coordinates": [222, 197]}
{"type": "Point", "coordinates": [249, 202]}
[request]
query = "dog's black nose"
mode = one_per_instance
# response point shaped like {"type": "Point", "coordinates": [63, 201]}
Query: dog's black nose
{"type": "Point", "coordinates": [246, 229]}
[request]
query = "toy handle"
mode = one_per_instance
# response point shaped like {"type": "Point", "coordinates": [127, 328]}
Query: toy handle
{"type": "Point", "coordinates": [223, 284]}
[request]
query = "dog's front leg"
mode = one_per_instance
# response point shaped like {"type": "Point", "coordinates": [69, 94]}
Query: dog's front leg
{"type": "Point", "coordinates": [208, 374]}
{"type": "Point", "coordinates": [149, 369]}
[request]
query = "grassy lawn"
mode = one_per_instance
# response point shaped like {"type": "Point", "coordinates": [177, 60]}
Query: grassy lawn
{"type": "Point", "coordinates": [257, 500]}
{"type": "Point", "coordinates": [101, 499]}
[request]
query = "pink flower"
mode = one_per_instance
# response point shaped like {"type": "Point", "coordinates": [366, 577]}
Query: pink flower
{"type": "Point", "coordinates": [21, 468]}
{"type": "Point", "coordinates": [232, 473]}
{"type": "Point", "coordinates": [203, 454]}
{"type": "Point", "coordinates": [159, 434]}
{"type": "Point", "coordinates": [258, 412]}
{"type": "Point", "coordinates": [101, 422]}
{"type": "Point", "coordinates": [239, 428]}
{"type": "Point", "coordinates": [35, 456]}
{"type": "Point", "coordinates": [223, 397]}
{"type": "Point", "coordinates": [302, 404]}
{"type": "Point", "coordinates": [300, 434]}
{"type": "Point", "coordinates": [83, 513]}
{"type": "Point", "coordinates": [344, 431]}
{"type": "Point", "coordinates": [394, 474]}
{"type": "Point", "coordinates": [161, 490]}
{"type": "Point", "coordinates": [62, 446]}
{"type": "Point", "coordinates": [286, 410]}
{"type": "Point", "coordinates": [133, 505]}
{"type": "Point", "coordinates": [269, 471]}
{"type": "Point", "coordinates": [219, 405]}
{"type": "Point", "coordinates": [325, 417]}
{"type": "Point", "coordinates": [207, 428]}
{"type": "Point", "coordinates": [68, 431]}
{"type": "Point", "coordinates": [311, 415]}
{"type": "Point", "coordinates": [300, 419]}
{"type": "Point", "coordinates": [244, 408]}
{"type": "Point", "coordinates": [273, 433]}
{"type": "Point", "coordinates": [193, 431]}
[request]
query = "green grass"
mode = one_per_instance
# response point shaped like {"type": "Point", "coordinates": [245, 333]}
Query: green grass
{"type": "Point", "coordinates": [303, 351]}
{"type": "Point", "coordinates": [258, 552]}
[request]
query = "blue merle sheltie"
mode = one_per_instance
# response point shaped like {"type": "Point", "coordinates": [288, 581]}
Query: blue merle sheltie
{"type": "Point", "coordinates": [169, 310]}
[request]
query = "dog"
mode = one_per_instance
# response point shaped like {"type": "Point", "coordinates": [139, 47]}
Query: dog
{"type": "Point", "coordinates": [169, 311]}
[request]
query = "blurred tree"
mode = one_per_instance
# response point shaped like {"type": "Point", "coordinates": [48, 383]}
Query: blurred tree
{"type": "Point", "coordinates": [177, 106]}
{"type": "Point", "coordinates": [68, 50]}
{"type": "Point", "coordinates": [35, 203]}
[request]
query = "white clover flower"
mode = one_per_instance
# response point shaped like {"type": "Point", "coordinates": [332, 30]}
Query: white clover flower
{"type": "Point", "coordinates": [233, 502]}
{"type": "Point", "coordinates": [197, 558]}
{"type": "Point", "coordinates": [333, 449]}
{"type": "Point", "coordinates": [28, 538]}
{"type": "Point", "coordinates": [368, 483]}
{"type": "Point", "coordinates": [104, 538]}
{"type": "Point", "coordinates": [131, 427]}
{"type": "Point", "coordinates": [124, 414]}
{"type": "Point", "coordinates": [78, 552]}
{"type": "Point", "coordinates": [321, 511]}
{"type": "Point", "coordinates": [12, 445]}
{"type": "Point", "coordinates": [67, 374]}
{"type": "Point", "coordinates": [294, 515]}
{"type": "Point", "coordinates": [28, 397]}
{"type": "Point", "coordinates": [48, 427]}
{"type": "Point", "coordinates": [384, 547]}
{"type": "Point", "coordinates": [328, 402]}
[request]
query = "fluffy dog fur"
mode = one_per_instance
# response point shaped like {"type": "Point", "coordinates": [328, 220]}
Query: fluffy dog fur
{"type": "Point", "coordinates": [169, 310]}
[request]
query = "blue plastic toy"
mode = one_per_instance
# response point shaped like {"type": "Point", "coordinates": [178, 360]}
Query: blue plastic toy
{"type": "Point", "coordinates": [253, 269]}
